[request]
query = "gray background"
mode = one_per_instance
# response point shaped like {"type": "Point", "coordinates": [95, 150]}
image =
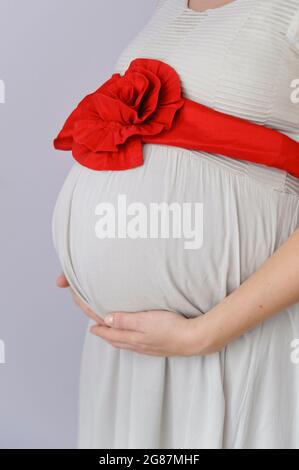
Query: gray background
{"type": "Point", "coordinates": [51, 53]}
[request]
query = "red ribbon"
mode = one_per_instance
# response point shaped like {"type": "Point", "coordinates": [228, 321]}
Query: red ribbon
{"type": "Point", "coordinates": [108, 128]}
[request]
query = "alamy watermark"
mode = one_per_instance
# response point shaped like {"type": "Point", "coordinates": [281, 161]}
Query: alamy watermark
{"type": "Point", "coordinates": [156, 220]}
{"type": "Point", "coordinates": [295, 351]}
{"type": "Point", "coordinates": [2, 352]}
{"type": "Point", "coordinates": [2, 92]}
{"type": "Point", "coordinates": [2, 344]}
{"type": "Point", "coordinates": [295, 92]}
{"type": "Point", "coordinates": [294, 356]}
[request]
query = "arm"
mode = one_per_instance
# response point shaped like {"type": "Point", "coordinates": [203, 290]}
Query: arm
{"type": "Point", "coordinates": [272, 288]}
{"type": "Point", "coordinates": [265, 293]}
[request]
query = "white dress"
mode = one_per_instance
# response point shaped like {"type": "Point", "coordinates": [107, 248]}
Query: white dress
{"type": "Point", "coordinates": [241, 59]}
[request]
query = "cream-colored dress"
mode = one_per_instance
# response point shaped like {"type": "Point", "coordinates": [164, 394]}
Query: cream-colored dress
{"type": "Point", "coordinates": [241, 59]}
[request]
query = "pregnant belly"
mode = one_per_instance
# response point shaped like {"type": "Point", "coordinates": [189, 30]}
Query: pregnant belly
{"type": "Point", "coordinates": [162, 236]}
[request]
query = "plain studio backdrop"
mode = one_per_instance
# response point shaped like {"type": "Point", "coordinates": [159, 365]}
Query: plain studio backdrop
{"type": "Point", "coordinates": [52, 53]}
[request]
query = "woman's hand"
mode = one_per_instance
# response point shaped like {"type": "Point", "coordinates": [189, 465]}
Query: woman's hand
{"type": "Point", "coordinates": [155, 332]}
{"type": "Point", "coordinates": [62, 282]}
{"type": "Point", "coordinates": [152, 332]}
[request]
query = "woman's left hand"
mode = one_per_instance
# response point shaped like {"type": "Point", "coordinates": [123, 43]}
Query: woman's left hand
{"type": "Point", "coordinates": [154, 332]}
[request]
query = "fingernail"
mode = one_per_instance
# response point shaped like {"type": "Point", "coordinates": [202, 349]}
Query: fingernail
{"type": "Point", "coordinates": [109, 319]}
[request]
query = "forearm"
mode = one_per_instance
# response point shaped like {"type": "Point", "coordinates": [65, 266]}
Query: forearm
{"type": "Point", "coordinates": [265, 293]}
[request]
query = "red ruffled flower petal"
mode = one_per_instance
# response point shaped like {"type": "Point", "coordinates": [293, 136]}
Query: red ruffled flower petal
{"type": "Point", "coordinates": [128, 156]}
{"type": "Point", "coordinates": [105, 130]}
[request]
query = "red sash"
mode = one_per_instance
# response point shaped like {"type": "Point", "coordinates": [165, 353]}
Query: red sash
{"type": "Point", "coordinates": [108, 128]}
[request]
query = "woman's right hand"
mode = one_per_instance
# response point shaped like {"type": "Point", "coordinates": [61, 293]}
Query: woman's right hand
{"type": "Point", "coordinates": [63, 283]}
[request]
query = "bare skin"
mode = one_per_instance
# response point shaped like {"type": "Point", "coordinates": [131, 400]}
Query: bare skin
{"type": "Point", "coordinates": [268, 291]}
{"type": "Point", "coordinates": [202, 5]}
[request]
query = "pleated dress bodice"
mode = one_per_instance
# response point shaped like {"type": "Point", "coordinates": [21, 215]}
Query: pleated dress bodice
{"type": "Point", "coordinates": [241, 58]}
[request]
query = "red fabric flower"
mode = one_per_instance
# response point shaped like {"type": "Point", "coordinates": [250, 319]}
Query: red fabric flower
{"type": "Point", "coordinates": [108, 128]}
{"type": "Point", "coordinates": [105, 131]}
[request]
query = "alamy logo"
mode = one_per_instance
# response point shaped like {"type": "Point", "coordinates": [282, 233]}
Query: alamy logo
{"type": "Point", "coordinates": [2, 352]}
{"type": "Point", "coordinates": [295, 93]}
{"type": "Point", "coordinates": [2, 92]}
{"type": "Point", "coordinates": [156, 220]}
{"type": "Point", "coordinates": [295, 351]}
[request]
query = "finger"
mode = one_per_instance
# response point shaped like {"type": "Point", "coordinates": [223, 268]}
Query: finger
{"type": "Point", "coordinates": [115, 335]}
{"type": "Point", "coordinates": [132, 321]}
{"type": "Point", "coordinates": [62, 281]}
{"type": "Point", "coordinates": [86, 309]}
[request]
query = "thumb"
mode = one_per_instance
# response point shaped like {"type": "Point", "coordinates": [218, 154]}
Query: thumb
{"type": "Point", "coordinates": [62, 281]}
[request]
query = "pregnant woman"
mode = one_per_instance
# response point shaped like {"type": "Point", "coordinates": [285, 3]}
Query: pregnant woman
{"type": "Point", "coordinates": [198, 347]}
